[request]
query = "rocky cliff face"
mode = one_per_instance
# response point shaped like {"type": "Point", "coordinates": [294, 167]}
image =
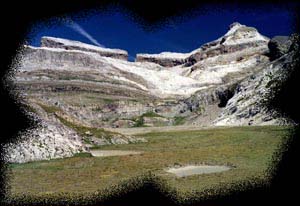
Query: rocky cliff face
{"type": "Point", "coordinates": [238, 38]}
{"type": "Point", "coordinates": [84, 88]}
{"type": "Point", "coordinates": [51, 42]}
{"type": "Point", "coordinates": [248, 104]}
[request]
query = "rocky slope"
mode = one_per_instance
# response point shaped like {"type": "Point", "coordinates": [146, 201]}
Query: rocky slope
{"type": "Point", "coordinates": [49, 140]}
{"type": "Point", "coordinates": [248, 104]}
{"type": "Point", "coordinates": [84, 88]}
{"type": "Point", "coordinates": [58, 136]}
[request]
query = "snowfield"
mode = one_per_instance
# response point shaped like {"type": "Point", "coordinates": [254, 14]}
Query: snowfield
{"type": "Point", "coordinates": [170, 55]}
{"type": "Point", "coordinates": [163, 82]}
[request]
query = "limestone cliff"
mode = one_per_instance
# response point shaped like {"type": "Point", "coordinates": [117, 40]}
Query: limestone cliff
{"type": "Point", "coordinates": [52, 42]}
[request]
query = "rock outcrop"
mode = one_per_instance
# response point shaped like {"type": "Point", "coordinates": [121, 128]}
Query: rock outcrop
{"type": "Point", "coordinates": [50, 141]}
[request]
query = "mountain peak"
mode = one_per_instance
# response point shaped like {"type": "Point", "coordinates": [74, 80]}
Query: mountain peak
{"type": "Point", "coordinates": [233, 27]}
{"type": "Point", "coordinates": [235, 24]}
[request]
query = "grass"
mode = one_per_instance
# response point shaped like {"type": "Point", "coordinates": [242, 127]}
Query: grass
{"type": "Point", "coordinates": [249, 150]}
{"type": "Point", "coordinates": [83, 130]}
{"type": "Point", "coordinates": [49, 109]}
{"type": "Point", "coordinates": [151, 114]}
{"type": "Point", "coordinates": [108, 101]}
{"type": "Point", "coordinates": [178, 120]}
{"type": "Point", "coordinates": [139, 121]}
{"type": "Point", "coordinates": [29, 108]}
{"type": "Point", "coordinates": [83, 154]}
{"type": "Point", "coordinates": [200, 110]}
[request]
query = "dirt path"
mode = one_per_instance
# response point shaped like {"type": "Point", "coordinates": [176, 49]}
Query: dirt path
{"type": "Point", "coordinates": [107, 153]}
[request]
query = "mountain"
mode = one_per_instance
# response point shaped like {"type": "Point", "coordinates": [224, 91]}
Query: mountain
{"type": "Point", "coordinates": [78, 88]}
{"type": "Point", "coordinates": [238, 38]}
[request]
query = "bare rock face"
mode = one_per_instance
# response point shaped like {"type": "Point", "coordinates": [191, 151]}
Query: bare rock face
{"type": "Point", "coordinates": [238, 38]}
{"type": "Point", "coordinates": [45, 143]}
{"type": "Point", "coordinates": [279, 45]}
{"type": "Point", "coordinates": [166, 59]}
{"type": "Point", "coordinates": [247, 106]}
{"type": "Point", "coordinates": [52, 42]}
{"type": "Point", "coordinates": [39, 58]}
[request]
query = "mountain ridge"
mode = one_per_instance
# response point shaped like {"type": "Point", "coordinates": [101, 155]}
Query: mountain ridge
{"type": "Point", "coordinates": [96, 87]}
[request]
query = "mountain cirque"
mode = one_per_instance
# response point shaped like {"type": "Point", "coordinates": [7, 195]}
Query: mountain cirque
{"type": "Point", "coordinates": [76, 89]}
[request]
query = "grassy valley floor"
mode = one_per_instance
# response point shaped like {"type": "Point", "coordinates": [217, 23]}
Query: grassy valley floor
{"type": "Point", "coordinates": [248, 151]}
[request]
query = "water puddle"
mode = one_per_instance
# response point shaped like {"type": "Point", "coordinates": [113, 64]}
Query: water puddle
{"type": "Point", "coordinates": [197, 169]}
{"type": "Point", "coordinates": [107, 153]}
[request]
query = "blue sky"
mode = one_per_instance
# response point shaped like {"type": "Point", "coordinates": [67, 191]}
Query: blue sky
{"type": "Point", "coordinates": [116, 30]}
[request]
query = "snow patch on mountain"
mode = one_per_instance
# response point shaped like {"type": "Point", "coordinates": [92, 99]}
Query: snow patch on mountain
{"type": "Point", "coordinates": [174, 55]}
{"type": "Point", "coordinates": [164, 82]}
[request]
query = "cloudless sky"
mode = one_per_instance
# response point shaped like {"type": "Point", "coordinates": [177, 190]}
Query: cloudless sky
{"type": "Point", "coordinates": [116, 30]}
